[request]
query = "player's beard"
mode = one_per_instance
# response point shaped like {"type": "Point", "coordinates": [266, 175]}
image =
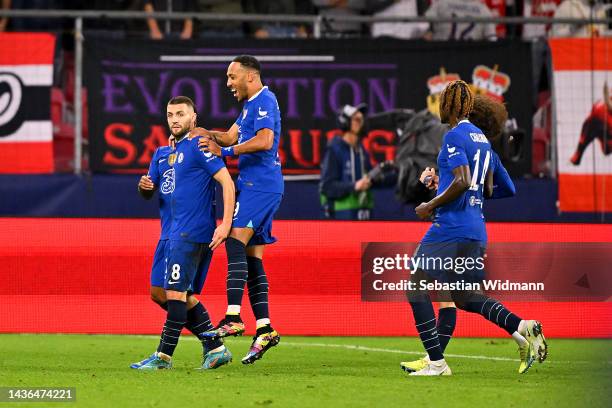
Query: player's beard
{"type": "Point", "coordinates": [242, 92]}
{"type": "Point", "coordinates": [181, 134]}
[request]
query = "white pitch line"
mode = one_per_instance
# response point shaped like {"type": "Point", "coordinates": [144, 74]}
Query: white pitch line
{"type": "Point", "coordinates": [395, 351]}
{"type": "Point", "coordinates": [362, 348]}
{"type": "Point", "coordinates": [378, 350]}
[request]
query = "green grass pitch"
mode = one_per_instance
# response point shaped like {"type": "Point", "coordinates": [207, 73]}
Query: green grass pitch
{"type": "Point", "coordinates": [307, 372]}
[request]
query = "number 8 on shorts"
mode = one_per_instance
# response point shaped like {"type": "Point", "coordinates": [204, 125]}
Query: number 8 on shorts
{"type": "Point", "coordinates": [176, 272]}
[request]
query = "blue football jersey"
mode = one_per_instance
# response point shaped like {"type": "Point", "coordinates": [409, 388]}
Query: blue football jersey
{"type": "Point", "coordinates": [462, 218]}
{"type": "Point", "coordinates": [162, 175]}
{"type": "Point", "coordinates": [260, 171]}
{"type": "Point", "coordinates": [193, 198]}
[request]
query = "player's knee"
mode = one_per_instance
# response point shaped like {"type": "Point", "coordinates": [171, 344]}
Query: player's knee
{"type": "Point", "coordinates": [416, 296]}
{"type": "Point", "coordinates": [174, 295]}
{"type": "Point", "coordinates": [466, 300]}
{"type": "Point", "coordinates": [158, 295]}
{"type": "Point", "coordinates": [192, 301]}
{"type": "Point", "coordinates": [461, 305]}
{"type": "Point", "coordinates": [234, 246]}
{"type": "Point", "coordinates": [241, 234]}
{"type": "Point", "coordinates": [255, 251]}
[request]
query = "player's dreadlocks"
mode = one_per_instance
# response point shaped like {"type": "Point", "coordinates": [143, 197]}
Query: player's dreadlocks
{"type": "Point", "coordinates": [456, 102]}
{"type": "Point", "coordinates": [489, 116]}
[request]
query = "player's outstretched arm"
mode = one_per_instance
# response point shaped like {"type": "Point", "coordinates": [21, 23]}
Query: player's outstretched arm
{"type": "Point", "coordinates": [228, 138]}
{"type": "Point", "coordinates": [263, 140]}
{"type": "Point", "coordinates": [146, 188]}
{"type": "Point", "coordinates": [229, 199]}
{"type": "Point", "coordinates": [458, 186]}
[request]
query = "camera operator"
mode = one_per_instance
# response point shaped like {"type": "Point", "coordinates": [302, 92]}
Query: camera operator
{"type": "Point", "coordinates": [345, 185]}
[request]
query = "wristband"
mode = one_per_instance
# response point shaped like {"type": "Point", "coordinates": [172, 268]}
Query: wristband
{"type": "Point", "coordinates": [227, 151]}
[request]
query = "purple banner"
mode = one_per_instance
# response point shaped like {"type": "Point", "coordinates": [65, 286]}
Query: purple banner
{"type": "Point", "coordinates": [129, 84]}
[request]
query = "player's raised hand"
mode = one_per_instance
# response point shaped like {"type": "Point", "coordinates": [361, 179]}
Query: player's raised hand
{"type": "Point", "coordinates": [208, 144]}
{"type": "Point", "coordinates": [220, 235]}
{"type": "Point", "coordinates": [423, 211]}
{"type": "Point", "coordinates": [171, 141]}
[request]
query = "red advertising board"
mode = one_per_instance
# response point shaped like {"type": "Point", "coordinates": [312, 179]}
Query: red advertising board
{"type": "Point", "coordinates": [92, 276]}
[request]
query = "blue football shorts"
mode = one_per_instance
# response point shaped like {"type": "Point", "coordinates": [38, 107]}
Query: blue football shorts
{"type": "Point", "coordinates": [256, 209]}
{"type": "Point", "coordinates": [187, 266]}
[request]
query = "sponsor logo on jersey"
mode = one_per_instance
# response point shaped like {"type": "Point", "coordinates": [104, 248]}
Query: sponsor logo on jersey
{"type": "Point", "coordinates": [167, 186]}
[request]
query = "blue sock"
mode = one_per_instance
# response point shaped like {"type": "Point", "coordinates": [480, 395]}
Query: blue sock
{"type": "Point", "coordinates": [447, 318]}
{"type": "Point", "coordinates": [198, 322]}
{"type": "Point", "coordinates": [425, 320]}
{"type": "Point", "coordinates": [237, 270]}
{"type": "Point", "coordinates": [258, 288]}
{"type": "Point", "coordinates": [175, 320]}
{"type": "Point", "coordinates": [493, 311]}
{"type": "Point", "coordinates": [165, 307]}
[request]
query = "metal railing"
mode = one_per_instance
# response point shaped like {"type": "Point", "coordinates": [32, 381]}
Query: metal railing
{"type": "Point", "coordinates": [316, 21]}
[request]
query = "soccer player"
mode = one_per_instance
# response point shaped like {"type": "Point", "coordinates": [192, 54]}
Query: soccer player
{"type": "Point", "coordinates": [458, 231]}
{"type": "Point", "coordinates": [161, 177]}
{"type": "Point", "coordinates": [489, 116]}
{"type": "Point", "coordinates": [254, 138]}
{"type": "Point", "coordinates": [192, 237]}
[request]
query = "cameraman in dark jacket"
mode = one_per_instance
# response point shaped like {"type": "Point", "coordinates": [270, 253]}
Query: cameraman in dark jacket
{"type": "Point", "coordinates": [345, 185]}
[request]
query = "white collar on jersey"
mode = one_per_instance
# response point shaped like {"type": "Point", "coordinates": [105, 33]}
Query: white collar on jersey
{"type": "Point", "coordinates": [183, 138]}
{"type": "Point", "coordinates": [462, 121]}
{"type": "Point", "coordinates": [257, 94]}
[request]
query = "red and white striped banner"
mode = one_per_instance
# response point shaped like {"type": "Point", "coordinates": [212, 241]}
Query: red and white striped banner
{"type": "Point", "coordinates": [26, 76]}
{"type": "Point", "coordinates": [582, 72]}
